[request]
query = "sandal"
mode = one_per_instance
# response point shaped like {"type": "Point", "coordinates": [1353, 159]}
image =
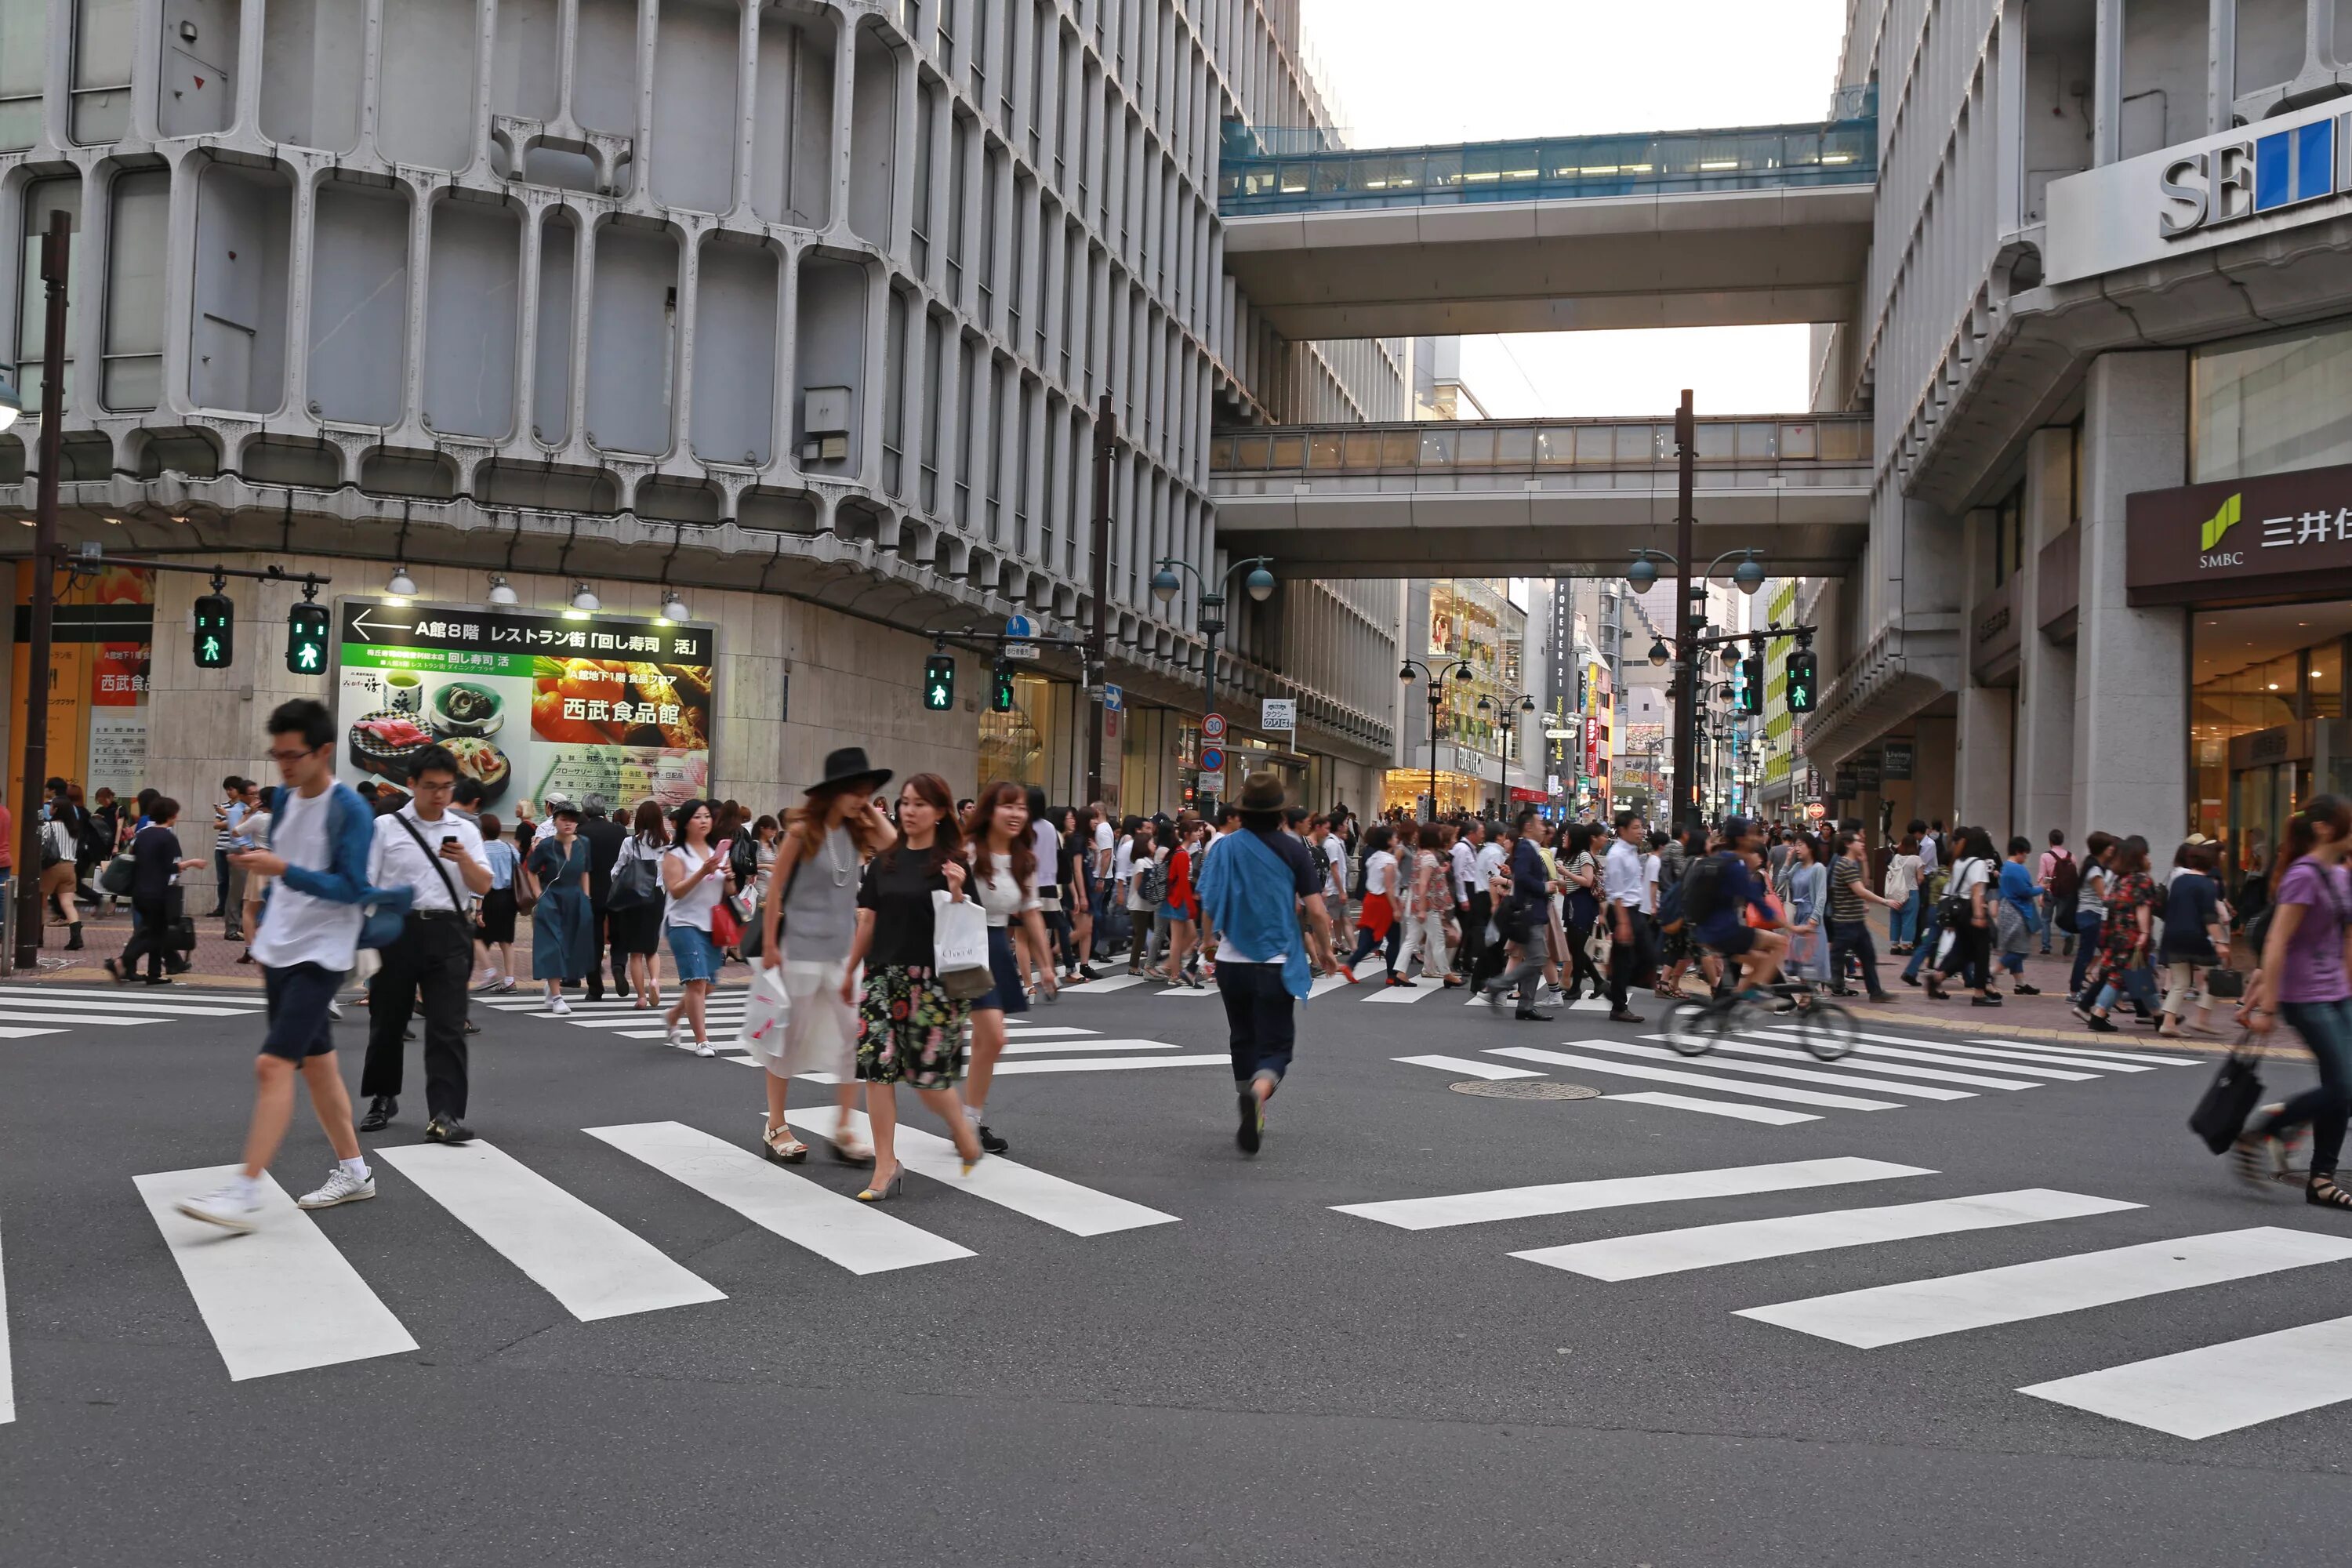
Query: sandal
{"type": "Point", "coordinates": [2255, 1157]}
{"type": "Point", "coordinates": [783, 1148]}
{"type": "Point", "coordinates": [848, 1150]}
{"type": "Point", "coordinates": [2323, 1192]}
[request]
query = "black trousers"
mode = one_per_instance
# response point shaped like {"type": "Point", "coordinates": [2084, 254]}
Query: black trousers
{"type": "Point", "coordinates": [1628, 961]}
{"type": "Point", "coordinates": [1854, 937]}
{"type": "Point", "coordinates": [600, 942]}
{"type": "Point", "coordinates": [433, 960]}
{"type": "Point", "coordinates": [1474, 931]}
{"type": "Point", "coordinates": [150, 931]}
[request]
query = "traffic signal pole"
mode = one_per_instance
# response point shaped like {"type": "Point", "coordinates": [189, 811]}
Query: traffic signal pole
{"type": "Point", "coordinates": [1687, 814]}
{"type": "Point", "coordinates": [57, 250]}
{"type": "Point", "coordinates": [1098, 629]}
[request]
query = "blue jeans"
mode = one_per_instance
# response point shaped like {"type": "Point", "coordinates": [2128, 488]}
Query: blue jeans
{"type": "Point", "coordinates": [1926, 940]}
{"type": "Point", "coordinates": [1260, 1019]}
{"type": "Point", "coordinates": [2088, 924]}
{"type": "Point", "coordinates": [1903, 919]}
{"type": "Point", "coordinates": [2140, 983]}
{"type": "Point", "coordinates": [2326, 1030]}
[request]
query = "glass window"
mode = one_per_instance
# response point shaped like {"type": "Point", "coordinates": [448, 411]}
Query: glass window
{"type": "Point", "coordinates": [23, 57]}
{"type": "Point", "coordinates": [2270, 405]}
{"type": "Point", "coordinates": [2262, 669]}
{"type": "Point", "coordinates": [135, 251]}
{"type": "Point", "coordinates": [102, 69]}
{"type": "Point", "coordinates": [1476, 449]}
{"type": "Point", "coordinates": [1399, 449]}
{"type": "Point", "coordinates": [1515, 449]}
{"type": "Point", "coordinates": [1437, 449]}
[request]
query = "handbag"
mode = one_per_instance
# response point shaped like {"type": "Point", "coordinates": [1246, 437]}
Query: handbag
{"type": "Point", "coordinates": [767, 1013]}
{"type": "Point", "coordinates": [635, 885]}
{"type": "Point", "coordinates": [2222, 1112]}
{"type": "Point", "coordinates": [960, 947]}
{"type": "Point", "coordinates": [726, 925]}
{"type": "Point", "coordinates": [118, 876]}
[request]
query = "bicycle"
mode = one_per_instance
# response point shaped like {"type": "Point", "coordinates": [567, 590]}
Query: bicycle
{"type": "Point", "coordinates": [1825, 1029]}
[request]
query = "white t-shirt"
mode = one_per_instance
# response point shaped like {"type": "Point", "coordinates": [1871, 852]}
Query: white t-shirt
{"type": "Point", "coordinates": [1336, 848]}
{"type": "Point", "coordinates": [1104, 838]}
{"type": "Point", "coordinates": [1491, 857]}
{"type": "Point", "coordinates": [1122, 863]}
{"type": "Point", "coordinates": [1000, 897]}
{"type": "Point", "coordinates": [1970, 873]}
{"type": "Point", "coordinates": [397, 862]}
{"type": "Point", "coordinates": [1650, 883]}
{"type": "Point", "coordinates": [1136, 901]}
{"type": "Point", "coordinates": [1047, 838]}
{"type": "Point", "coordinates": [694, 909]}
{"type": "Point", "coordinates": [297, 928]}
{"type": "Point", "coordinates": [1380, 874]}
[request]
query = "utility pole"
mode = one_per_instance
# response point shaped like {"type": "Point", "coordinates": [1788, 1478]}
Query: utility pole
{"type": "Point", "coordinates": [1686, 813]}
{"type": "Point", "coordinates": [56, 249]}
{"type": "Point", "coordinates": [1098, 632]}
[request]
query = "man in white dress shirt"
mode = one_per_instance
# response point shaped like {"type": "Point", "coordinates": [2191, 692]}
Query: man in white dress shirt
{"type": "Point", "coordinates": [437, 855]}
{"type": "Point", "coordinates": [1625, 890]}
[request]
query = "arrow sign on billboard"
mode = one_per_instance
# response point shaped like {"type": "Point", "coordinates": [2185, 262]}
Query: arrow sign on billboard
{"type": "Point", "coordinates": [360, 623]}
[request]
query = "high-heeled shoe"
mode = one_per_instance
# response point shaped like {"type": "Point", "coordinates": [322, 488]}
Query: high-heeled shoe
{"type": "Point", "coordinates": [783, 1149]}
{"type": "Point", "coordinates": [889, 1189]}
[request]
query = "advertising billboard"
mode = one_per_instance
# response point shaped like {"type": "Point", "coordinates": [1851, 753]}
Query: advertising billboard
{"type": "Point", "coordinates": [530, 702]}
{"type": "Point", "coordinates": [102, 637]}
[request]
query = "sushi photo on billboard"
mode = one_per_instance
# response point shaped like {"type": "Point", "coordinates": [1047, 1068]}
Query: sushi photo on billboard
{"type": "Point", "coordinates": [530, 703]}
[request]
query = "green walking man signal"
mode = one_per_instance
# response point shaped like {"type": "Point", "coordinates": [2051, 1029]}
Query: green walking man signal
{"type": "Point", "coordinates": [1750, 694]}
{"type": "Point", "coordinates": [1001, 699]}
{"type": "Point", "coordinates": [306, 639]}
{"type": "Point", "coordinates": [215, 643]}
{"type": "Point", "coordinates": [1802, 682]}
{"type": "Point", "coordinates": [938, 682]}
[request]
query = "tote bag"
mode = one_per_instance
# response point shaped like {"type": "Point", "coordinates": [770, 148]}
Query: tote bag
{"type": "Point", "coordinates": [960, 947]}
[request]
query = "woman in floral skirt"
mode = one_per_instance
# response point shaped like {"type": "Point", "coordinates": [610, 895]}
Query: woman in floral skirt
{"type": "Point", "coordinates": [909, 1030]}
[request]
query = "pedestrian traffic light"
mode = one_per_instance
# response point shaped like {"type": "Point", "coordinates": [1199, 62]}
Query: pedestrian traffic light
{"type": "Point", "coordinates": [216, 631]}
{"type": "Point", "coordinates": [1801, 686]}
{"type": "Point", "coordinates": [306, 639]}
{"type": "Point", "coordinates": [938, 682]}
{"type": "Point", "coordinates": [1749, 694]}
{"type": "Point", "coordinates": [1001, 699]}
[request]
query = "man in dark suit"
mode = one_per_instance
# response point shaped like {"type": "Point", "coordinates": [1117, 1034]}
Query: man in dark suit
{"type": "Point", "coordinates": [604, 836]}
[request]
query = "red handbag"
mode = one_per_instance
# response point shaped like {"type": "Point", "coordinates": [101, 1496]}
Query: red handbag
{"type": "Point", "coordinates": [726, 928]}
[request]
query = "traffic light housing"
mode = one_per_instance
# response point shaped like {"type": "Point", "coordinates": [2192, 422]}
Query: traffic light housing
{"type": "Point", "coordinates": [1001, 700]}
{"type": "Point", "coordinates": [938, 682]}
{"type": "Point", "coordinates": [1802, 687]}
{"type": "Point", "coordinates": [216, 635]}
{"type": "Point", "coordinates": [306, 639]}
{"type": "Point", "coordinates": [1749, 696]}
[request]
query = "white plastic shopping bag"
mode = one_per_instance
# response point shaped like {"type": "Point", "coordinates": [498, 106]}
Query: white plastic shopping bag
{"type": "Point", "coordinates": [960, 947]}
{"type": "Point", "coordinates": [767, 1013]}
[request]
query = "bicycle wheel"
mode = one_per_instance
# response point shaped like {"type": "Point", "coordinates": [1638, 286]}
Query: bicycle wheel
{"type": "Point", "coordinates": [1691, 1028]}
{"type": "Point", "coordinates": [1826, 1029]}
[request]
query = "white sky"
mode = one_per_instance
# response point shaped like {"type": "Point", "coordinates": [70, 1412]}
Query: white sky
{"type": "Point", "coordinates": [1411, 72]}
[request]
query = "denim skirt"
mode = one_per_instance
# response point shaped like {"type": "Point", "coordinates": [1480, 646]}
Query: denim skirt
{"type": "Point", "coordinates": [1008, 995]}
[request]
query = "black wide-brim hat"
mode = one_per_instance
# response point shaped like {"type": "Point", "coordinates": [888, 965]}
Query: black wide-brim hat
{"type": "Point", "coordinates": [846, 768]}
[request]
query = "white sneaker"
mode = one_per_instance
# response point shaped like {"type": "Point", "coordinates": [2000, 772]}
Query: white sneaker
{"type": "Point", "coordinates": [334, 1008]}
{"type": "Point", "coordinates": [559, 1007]}
{"type": "Point", "coordinates": [702, 1048]}
{"type": "Point", "coordinates": [676, 1028]}
{"type": "Point", "coordinates": [506, 983]}
{"type": "Point", "coordinates": [229, 1208]}
{"type": "Point", "coordinates": [341, 1187]}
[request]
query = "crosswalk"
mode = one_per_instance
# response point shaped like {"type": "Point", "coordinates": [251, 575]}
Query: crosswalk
{"type": "Point", "coordinates": [1765, 1075]}
{"type": "Point", "coordinates": [1031, 1044]}
{"type": "Point", "coordinates": [2195, 1393]}
{"type": "Point", "coordinates": [29, 1012]}
{"type": "Point", "coordinates": [286, 1298]}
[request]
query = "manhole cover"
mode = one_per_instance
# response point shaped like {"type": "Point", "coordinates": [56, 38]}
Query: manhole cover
{"type": "Point", "coordinates": [1525, 1088]}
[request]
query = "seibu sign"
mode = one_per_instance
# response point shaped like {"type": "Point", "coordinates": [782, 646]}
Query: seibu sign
{"type": "Point", "coordinates": [2290, 169]}
{"type": "Point", "coordinates": [2279, 537]}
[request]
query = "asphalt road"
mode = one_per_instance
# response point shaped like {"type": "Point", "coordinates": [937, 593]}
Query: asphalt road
{"type": "Point", "coordinates": [1183, 1354]}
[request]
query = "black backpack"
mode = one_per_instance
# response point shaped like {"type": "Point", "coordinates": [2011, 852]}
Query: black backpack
{"type": "Point", "coordinates": [1700, 892]}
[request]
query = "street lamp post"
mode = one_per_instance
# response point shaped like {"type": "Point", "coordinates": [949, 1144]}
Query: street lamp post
{"type": "Point", "coordinates": [1503, 762]}
{"type": "Point", "coordinates": [1458, 670]}
{"type": "Point", "coordinates": [1212, 620]}
{"type": "Point", "coordinates": [56, 250]}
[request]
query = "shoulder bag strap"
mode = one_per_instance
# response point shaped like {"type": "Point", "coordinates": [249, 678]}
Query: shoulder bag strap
{"type": "Point", "coordinates": [455, 902]}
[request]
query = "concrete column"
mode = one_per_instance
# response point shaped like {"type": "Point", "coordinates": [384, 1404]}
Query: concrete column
{"type": "Point", "coordinates": [1985, 731]}
{"type": "Point", "coordinates": [2044, 784]}
{"type": "Point", "coordinates": [2131, 667]}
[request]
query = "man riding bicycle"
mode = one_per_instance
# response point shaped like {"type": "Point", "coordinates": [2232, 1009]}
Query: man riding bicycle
{"type": "Point", "coordinates": [1757, 950]}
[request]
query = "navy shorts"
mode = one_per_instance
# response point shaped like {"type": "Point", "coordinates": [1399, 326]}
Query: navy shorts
{"type": "Point", "coordinates": [1008, 995]}
{"type": "Point", "coordinates": [1730, 943]}
{"type": "Point", "coordinates": [300, 1026]}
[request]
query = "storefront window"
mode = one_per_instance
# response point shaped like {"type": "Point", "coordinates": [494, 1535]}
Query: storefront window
{"type": "Point", "coordinates": [2266, 406]}
{"type": "Point", "coordinates": [2266, 718]}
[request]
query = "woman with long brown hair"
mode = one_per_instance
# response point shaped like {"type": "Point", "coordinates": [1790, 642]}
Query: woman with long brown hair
{"type": "Point", "coordinates": [2303, 980]}
{"type": "Point", "coordinates": [910, 1030]}
{"type": "Point", "coordinates": [1005, 871]}
{"type": "Point", "coordinates": [808, 918]}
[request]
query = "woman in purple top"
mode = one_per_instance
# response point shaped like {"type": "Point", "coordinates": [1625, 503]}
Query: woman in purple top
{"type": "Point", "coordinates": [2303, 980]}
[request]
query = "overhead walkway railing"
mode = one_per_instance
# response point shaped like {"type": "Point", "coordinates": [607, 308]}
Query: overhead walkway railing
{"type": "Point", "coordinates": [1276, 171]}
{"type": "Point", "coordinates": [1537, 449]}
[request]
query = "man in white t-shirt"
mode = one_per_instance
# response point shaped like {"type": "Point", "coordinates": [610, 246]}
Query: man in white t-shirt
{"type": "Point", "coordinates": [320, 833]}
{"type": "Point", "coordinates": [437, 856]}
{"type": "Point", "coordinates": [1335, 885]}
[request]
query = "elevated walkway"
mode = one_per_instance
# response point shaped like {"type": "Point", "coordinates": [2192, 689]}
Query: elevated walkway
{"type": "Point", "coordinates": [1749, 225]}
{"type": "Point", "coordinates": [1558, 497]}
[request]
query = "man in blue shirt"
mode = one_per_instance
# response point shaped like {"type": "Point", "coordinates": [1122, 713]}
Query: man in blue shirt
{"type": "Point", "coordinates": [1736, 890]}
{"type": "Point", "coordinates": [1523, 919]}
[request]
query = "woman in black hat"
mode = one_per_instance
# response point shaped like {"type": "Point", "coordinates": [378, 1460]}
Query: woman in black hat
{"type": "Point", "coordinates": [808, 919]}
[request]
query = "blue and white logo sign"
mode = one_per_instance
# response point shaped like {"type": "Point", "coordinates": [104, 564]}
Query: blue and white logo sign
{"type": "Point", "coordinates": [2255, 174]}
{"type": "Point", "coordinates": [1020, 628]}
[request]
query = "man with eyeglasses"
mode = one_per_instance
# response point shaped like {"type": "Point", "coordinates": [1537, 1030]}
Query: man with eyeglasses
{"type": "Point", "coordinates": [321, 835]}
{"type": "Point", "coordinates": [432, 851]}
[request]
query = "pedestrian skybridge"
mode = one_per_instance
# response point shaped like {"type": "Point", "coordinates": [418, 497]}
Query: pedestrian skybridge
{"type": "Point", "coordinates": [1539, 498]}
{"type": "Point", "coordinates": [1753, 224]}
